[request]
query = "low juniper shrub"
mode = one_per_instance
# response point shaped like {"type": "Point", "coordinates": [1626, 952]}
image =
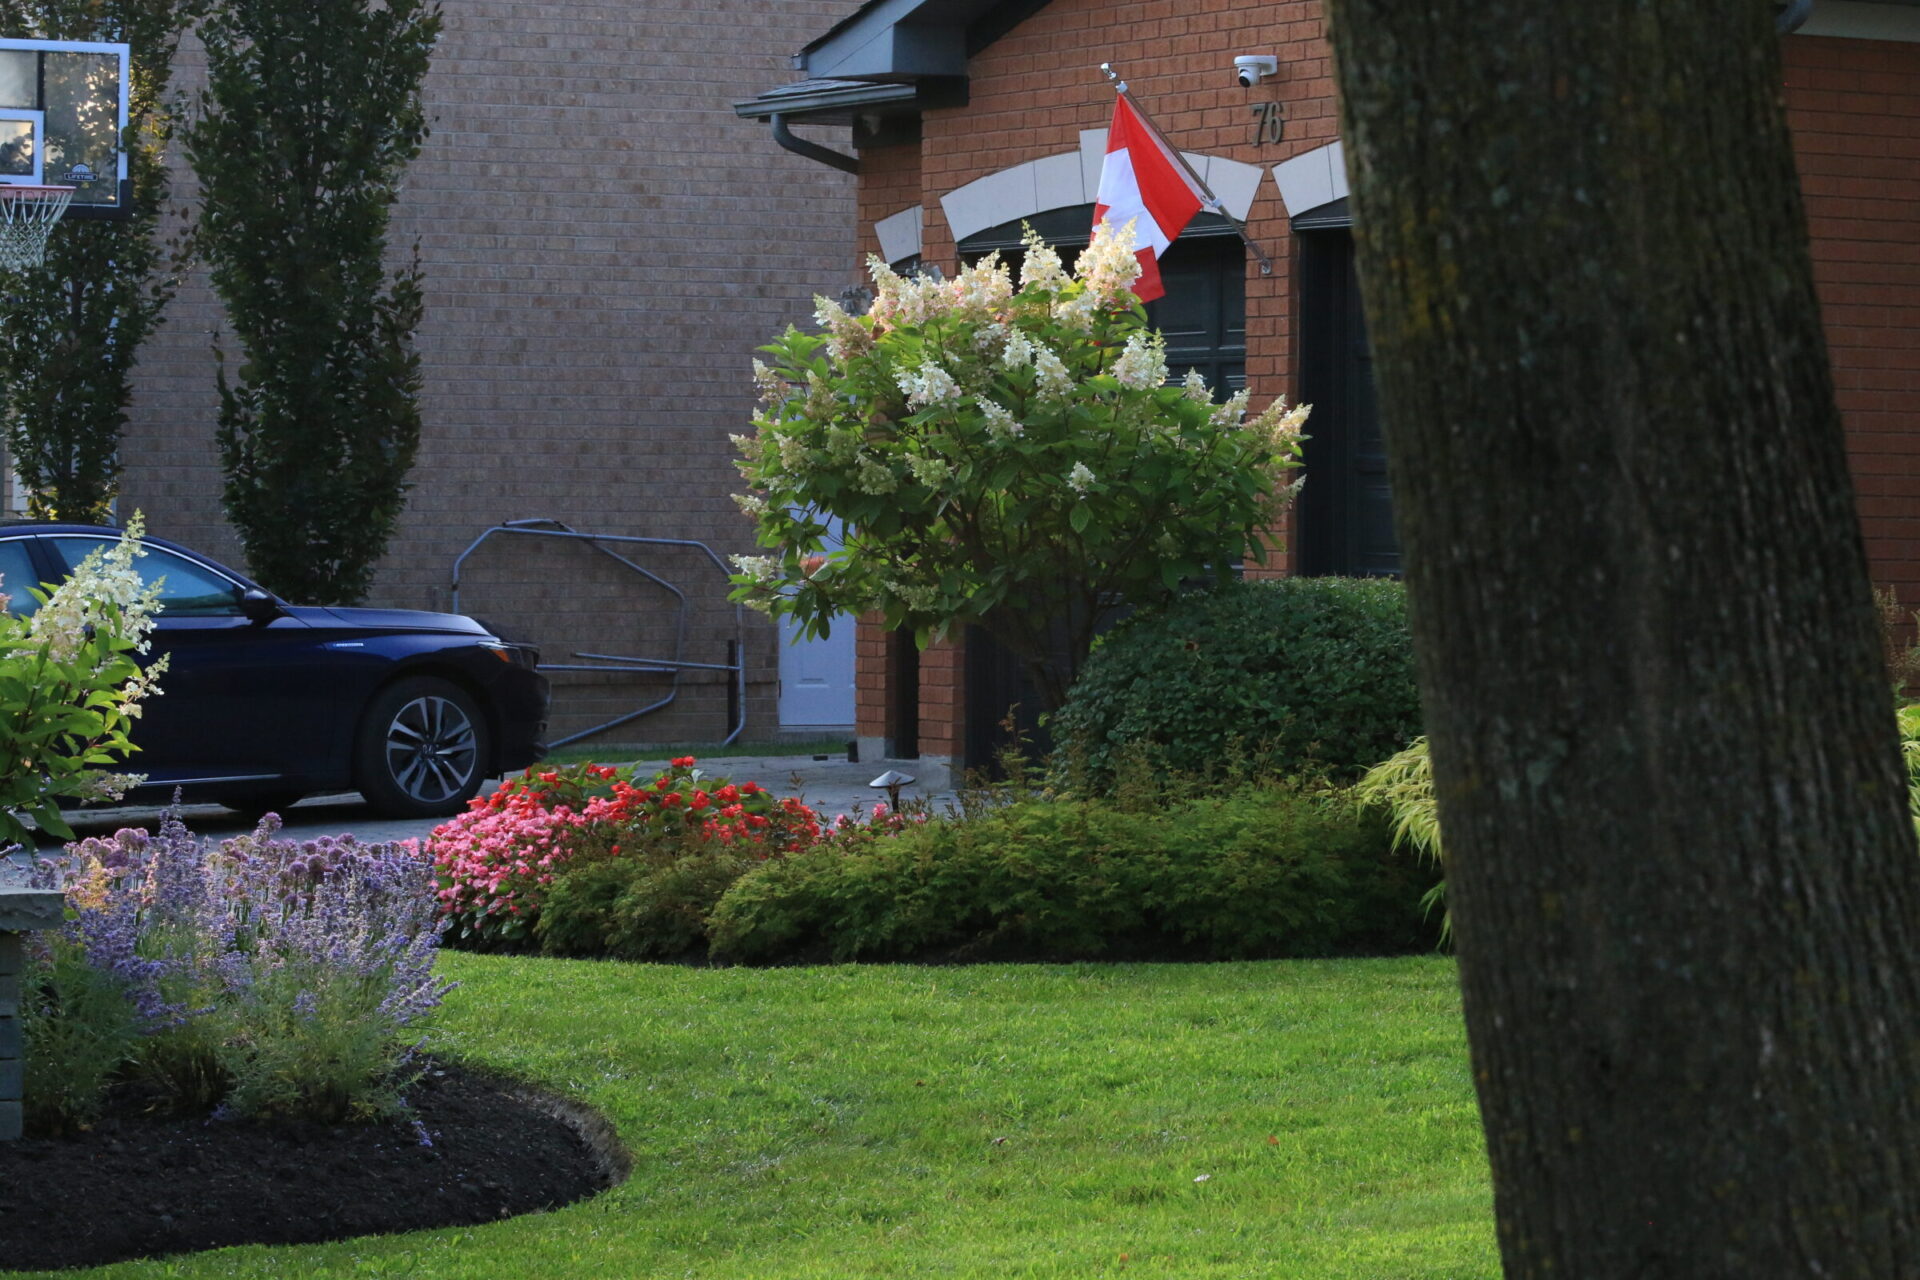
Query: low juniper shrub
{"type": "Point", "coordinates": [268, 978]}
{"type": "Point", "coordinates": [1265, 870]}
{"type": "Point", "coordinates": [654, 901]}
{"type": "Point", "coordinates": [1287, 677]}
{"type": "Point", "coordinates": [640, 907]}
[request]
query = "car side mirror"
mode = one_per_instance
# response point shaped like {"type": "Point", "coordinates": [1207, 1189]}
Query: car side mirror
{"type": "Point", "coordinates": [257, 606]}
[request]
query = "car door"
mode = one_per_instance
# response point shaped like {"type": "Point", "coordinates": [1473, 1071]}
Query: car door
{"type": "Point", "coordinates": [18, 575]}
{"type": "Point", "coordinates": [236, 702]}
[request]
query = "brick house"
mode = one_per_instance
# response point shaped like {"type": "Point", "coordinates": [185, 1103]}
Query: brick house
{"type": "Point", "coordinates": [603, 246]}
{"type": "Point", "coordinates": [968, 116]}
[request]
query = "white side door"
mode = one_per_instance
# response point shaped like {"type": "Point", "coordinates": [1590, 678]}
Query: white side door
{"type": "Point", "coordinates": [816, 676]}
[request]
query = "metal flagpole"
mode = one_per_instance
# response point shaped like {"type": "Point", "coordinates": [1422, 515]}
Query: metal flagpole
{"type": "Point", "coordinates": [1212, 200]}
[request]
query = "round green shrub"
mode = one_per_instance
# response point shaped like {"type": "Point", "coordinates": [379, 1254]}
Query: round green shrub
{"type": "Point", "coordinates": [1296, 675]}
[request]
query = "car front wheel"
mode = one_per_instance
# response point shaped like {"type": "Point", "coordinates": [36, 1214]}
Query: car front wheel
{"type": "Point", "coordinates": [422, 750]}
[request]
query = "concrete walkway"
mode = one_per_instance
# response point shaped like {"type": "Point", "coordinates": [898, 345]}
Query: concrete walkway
{"type": "Point", "coordinates": [832, 786]}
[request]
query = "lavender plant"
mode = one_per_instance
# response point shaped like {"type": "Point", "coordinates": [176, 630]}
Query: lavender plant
{"type": "Point", "coordinates": [81, 1029]}
{"type": "Point", "coordinates": [269, 978]}
{"type": "Point", "coordinates": [339, 941]}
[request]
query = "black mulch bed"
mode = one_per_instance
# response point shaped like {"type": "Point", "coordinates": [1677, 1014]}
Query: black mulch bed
{"type": "Point", "coordinates": [136, 1185]}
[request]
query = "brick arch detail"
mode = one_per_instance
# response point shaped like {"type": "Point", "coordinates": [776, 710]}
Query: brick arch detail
{"type": "Point", "coordinates": [1072, 178]}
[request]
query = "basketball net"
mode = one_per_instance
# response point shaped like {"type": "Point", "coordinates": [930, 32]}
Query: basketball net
{"type": "Point", "coordinates": [27, 215]}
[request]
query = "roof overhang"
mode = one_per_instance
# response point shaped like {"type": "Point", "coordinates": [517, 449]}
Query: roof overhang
{"type": "Point", "coordinates": [831, 101]}
{"type": "Point", "coordinates": [907, 39]}
{"type": "Point", "coordinates": [889, 59]}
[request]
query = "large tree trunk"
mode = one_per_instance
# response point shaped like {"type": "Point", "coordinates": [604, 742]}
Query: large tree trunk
{"type": "Point", "coordinates": [1682, 876]}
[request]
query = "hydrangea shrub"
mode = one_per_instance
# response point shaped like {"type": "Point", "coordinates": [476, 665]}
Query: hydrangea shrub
{"type": "Point", "coordinates": [71, 685]}
{"type": "Point", "coordinates": [1011, 458]}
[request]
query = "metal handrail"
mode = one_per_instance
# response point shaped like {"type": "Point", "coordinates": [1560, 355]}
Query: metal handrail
{"type": "Point", "coordinates": [543, 527]}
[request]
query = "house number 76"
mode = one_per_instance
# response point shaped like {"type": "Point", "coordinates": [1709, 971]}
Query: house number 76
{"type": "Point", "coordinates": [1269, 123]}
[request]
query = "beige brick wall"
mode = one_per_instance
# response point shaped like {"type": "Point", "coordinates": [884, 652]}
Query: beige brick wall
{"type": "Point", "coordinates": [604, 244]}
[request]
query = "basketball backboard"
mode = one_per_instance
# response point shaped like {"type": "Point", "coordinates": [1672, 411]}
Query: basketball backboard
{"type": "Point", "coordinates": [63, 114]}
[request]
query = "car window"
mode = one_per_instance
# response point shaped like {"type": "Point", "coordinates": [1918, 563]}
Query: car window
{"type": "Point", "coordinates": [186, 589]}
{"type": "Point", "coordinates": [17, 577]}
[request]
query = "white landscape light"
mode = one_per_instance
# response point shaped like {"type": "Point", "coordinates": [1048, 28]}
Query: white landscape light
{"type": "Point", "coordinates": [892, 780]}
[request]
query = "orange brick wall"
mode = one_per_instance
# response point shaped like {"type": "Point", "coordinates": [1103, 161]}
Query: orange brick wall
{"type": "Point", "coordinates": [1030, 95]}
{"type": "Point", "coordinates": [889, 182]}
{"type": "Point", "coordinates": [871, 676]}
{"type": "Point", "coordinates": [1855, 109]}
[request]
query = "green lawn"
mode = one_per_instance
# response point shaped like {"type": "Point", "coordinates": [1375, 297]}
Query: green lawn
{"type": "Point", "coordinates": [1296, 1120]}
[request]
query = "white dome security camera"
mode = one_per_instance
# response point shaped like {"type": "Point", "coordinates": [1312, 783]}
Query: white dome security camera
{"type": "Point", "coordinates": [1251, 68]}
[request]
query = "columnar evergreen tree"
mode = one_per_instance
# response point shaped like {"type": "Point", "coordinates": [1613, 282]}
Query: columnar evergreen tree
{"type": "Point", "coordinates": [310, 116]}
{"type": "Point", "coordinates": [70, 331]}
{"type": "Point", "coordinates": [1680, 867]}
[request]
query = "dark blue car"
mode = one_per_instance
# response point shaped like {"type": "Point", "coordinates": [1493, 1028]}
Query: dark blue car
{"type": "Point", "coordinates": [264, 702]}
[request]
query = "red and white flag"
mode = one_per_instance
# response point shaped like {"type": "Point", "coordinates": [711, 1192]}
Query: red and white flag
{"type": "Point", "coordinates": [1144, 183]}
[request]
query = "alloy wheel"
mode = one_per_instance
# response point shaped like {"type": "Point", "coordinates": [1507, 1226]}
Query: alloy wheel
{"type": "Point", "coordinates": [432, 749]}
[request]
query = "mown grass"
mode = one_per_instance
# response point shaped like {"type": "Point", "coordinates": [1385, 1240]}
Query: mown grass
{"type": "Point", "coordinates": [1303, 1120]}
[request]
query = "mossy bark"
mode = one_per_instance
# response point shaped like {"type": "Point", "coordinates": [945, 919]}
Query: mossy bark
{"type": "Point", "coordinates": [1682, 875]}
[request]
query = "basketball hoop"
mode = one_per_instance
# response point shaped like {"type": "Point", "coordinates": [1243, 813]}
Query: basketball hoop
{"type": "Point", "coordinates": [27, 215]}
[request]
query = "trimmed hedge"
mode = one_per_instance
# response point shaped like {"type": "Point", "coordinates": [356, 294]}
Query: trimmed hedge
{"type": "Point", "coordinates": [1263, 871]}
{"type": "Point", "coordinates": [1293, 676]}
{"type": "Point", "coordinates": [648, 907]}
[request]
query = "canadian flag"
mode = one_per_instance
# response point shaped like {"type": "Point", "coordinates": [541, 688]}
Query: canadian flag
{"type": "Point", "coordinates": [1143, 182]}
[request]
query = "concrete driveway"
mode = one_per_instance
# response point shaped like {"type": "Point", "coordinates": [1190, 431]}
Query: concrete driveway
{"type": "Point", "coordinates": [831, 786]}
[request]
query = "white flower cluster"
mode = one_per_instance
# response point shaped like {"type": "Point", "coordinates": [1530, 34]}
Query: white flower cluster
{"type": "Point", "coordinates": [983, 290]}
{"type": "Point", "coordinates": [1081, 478]}
{"type": "Point", "coordinates": [78, 606]}
{"type": "Point", "coordinates": [1055, 382]}
{"type": "Point", "coordinates": [843, 445]}
{"type": "Point", "coordinates": [793, 452]}
{"type": "Point", "coordinates": [1230, 413]}
{"type": "Point", "coordinates": [1279, 425]}
{"type": "Point", "coordinates": [929, 384]}
{"type": "Point", "coordinates": [931, 472]}
{"type": "Point", "coordinates": [1076, 311]}
{"type": "Point", "coordinates": [761, 569]}
{"type": "Point", "coordinates": [846, 336]}
{"type": "Point", "coordinates": [915, 595]}
{"type": "Point", "coordinates": [1001, 424]}
{"type": "Point", "coordinates": [1108, 268]}
{"type": "Point", "coordinates": [141, 687]}
{"type": "Point", "coordinates": [822, 400]}
{"type": "Point", "coordinates": [902, 300]}
{"type": "Point", "coordinates": [773, 388]}
{"type": "Point", "coordinates": [1019, 352]}
{"type": "Point", "coordinates": [1042, 265]}
{"type": "Point", "coordinates": [97, 786]}
{"type": "Point", "coordinates": [1195, 387]}
{"type": "Point", "coordinates": [1143, 363]}
{"type": "Point", "coordinates": [875, 477]}
{"type": "Point", "coordinates": [751, 503]}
